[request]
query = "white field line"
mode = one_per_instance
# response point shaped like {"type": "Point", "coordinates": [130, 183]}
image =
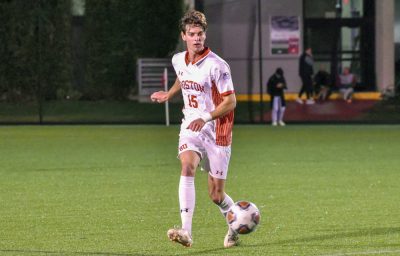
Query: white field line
{"type": "Point", "coordinates": [364, 253]}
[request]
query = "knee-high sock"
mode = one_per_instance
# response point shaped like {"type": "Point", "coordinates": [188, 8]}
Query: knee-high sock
{"type": "Point", "coordinates": [224, 207]}
{"type": "Point", "coordinates": [187, 198]}
{"type": "Point", "coordinates": [225, 204]}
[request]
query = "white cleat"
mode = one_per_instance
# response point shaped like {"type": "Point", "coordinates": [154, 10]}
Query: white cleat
{"type": "Point", "coordinates": [181, 236]}
{"type": "Point", "coordinates": [231, 239]}
{"type": "Point", "coordinates": [281, 123]}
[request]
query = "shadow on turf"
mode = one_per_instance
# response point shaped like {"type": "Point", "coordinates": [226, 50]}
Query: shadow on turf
{"type": "Point", "coordinates": [358, 233]}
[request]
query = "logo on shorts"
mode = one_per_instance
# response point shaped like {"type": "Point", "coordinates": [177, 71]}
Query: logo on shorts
{"type": "Point", "coordinates": [220, 173]}
{"type": "Point", "coordinates": [182, 147]}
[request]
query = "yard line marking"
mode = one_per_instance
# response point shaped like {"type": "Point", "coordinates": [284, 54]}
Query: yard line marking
{"type": "Point", "coordinates": [363, 253]}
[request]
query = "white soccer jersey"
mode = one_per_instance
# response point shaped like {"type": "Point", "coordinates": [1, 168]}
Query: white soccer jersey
{"type": "Point", "coordinates": [203, 83]}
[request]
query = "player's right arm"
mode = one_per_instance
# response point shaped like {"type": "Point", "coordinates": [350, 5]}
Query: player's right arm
{"type": "Point", "coordinates": [163, 96]}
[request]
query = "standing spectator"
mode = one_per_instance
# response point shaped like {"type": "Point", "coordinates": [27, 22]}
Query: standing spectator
{"type": "Point", "coordinates": [276, 86]}
{"type": "Point", "coordinates": [347, 81]}
{"type": "Point", "coordinates": [306, 71]}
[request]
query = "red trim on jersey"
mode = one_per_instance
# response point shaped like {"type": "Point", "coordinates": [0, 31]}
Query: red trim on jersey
{"type": "Point", "coordinates": [198, 57]}
{"type": "Point", "coordinates": [227, 93]}
{"type": "Point", "coordinates": [224, 124]}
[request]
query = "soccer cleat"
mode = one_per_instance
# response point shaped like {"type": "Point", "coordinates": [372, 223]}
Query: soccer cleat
{"type": "Point", "coordinates": [181, 236]}
{"type": "Point", "coordinates": [300, 101]}
{"type": "Point", "coordinates": [281, 123]}
{"type": "Point", "coordinates": [274, 123]}
{"type": "Point", "coordinates": [231, 239]}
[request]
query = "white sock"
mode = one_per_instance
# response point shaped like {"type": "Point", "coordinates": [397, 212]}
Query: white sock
{"type": "Point", "coordinates": [224, 207]}
{"type": "Point", "coordinates": [187, 198]}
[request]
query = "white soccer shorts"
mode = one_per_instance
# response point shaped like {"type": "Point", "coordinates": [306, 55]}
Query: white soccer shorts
{"type": "Point", "coordinates": [214, 158]}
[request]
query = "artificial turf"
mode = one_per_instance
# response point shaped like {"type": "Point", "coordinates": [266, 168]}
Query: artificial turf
{"type": "Point", "coordinates": [112, 190]}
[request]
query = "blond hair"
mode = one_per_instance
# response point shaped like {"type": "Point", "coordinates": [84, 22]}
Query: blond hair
{"type": "Point", "coordinates": [194, 18]}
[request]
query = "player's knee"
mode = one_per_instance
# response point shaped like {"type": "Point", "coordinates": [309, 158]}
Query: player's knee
{"type": "Point", "coordinates": [188, 169]}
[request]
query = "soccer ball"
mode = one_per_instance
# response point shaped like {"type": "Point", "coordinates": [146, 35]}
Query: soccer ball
{"type": "Point", "coordinates": [243, 217]}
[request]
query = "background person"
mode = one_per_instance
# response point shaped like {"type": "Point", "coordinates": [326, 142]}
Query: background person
{"type": "Point", "coordinates": [322, 82]}
{"type": "Point", "coordinates": [276, 86]}
{"type": "Point", "coordinates": [347, 81]}
{"type": "Point", "coordinates": [306, 71]}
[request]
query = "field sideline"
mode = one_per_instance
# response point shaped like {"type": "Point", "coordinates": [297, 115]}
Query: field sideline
{"type": "Point", "coordinates": [327, 190]}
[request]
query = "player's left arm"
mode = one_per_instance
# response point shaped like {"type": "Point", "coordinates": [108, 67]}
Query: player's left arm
{"type": "Point", "coordinates": [228, 104]}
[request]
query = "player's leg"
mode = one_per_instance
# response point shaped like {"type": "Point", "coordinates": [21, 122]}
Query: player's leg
{"type": "Point", "coordinates": [216, 162]}
{"type": "Point", "coordinates": [216, 191]}
{"type": "Point", "coordinates": [187, 194]}
{"type": "Point", "coordinates": [189, 161]}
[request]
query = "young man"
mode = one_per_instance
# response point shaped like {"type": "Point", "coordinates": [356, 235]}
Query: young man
{"type": "Point", "coordinates": [306, 70]}
{"type": "Point", "coordinates": [206, 130]}
{"type": "Point", "coordinates": [276, 85]}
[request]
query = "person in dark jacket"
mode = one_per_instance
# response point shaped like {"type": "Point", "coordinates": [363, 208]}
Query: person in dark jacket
{"type": "Point", "coordinates": [306, 71]}
{"type": "Point", "coordinates": [323, 84]}
{"type": "Point", "coordinates": [276, 86]}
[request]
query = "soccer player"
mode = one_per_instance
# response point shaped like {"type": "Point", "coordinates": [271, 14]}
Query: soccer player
{"type": "Point", "coordinates": [206, 131]}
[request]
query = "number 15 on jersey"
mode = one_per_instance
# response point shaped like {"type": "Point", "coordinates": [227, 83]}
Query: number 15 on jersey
{"type": "Point", "coordinates": [193, 103]}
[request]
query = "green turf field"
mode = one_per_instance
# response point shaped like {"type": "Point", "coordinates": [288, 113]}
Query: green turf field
{"type": "Point", "coordinates": [112, 190]}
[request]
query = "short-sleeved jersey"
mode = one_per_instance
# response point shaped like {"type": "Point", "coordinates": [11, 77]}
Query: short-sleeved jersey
{"type": "Point", "coordinates": [203, 84]}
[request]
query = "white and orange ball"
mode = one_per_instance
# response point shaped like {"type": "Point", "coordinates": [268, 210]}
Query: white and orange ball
{"type": "Point", "coordinates": [243, 217]}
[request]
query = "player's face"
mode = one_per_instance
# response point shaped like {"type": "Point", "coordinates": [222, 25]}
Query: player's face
{"type": "Point", "coordinates": [194, 38]}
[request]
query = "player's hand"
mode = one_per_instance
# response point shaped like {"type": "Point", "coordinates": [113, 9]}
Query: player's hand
{"type": "Point", "coordinates": [196, 125]}
{"type": "Point", "coordinates": [159, 96]}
